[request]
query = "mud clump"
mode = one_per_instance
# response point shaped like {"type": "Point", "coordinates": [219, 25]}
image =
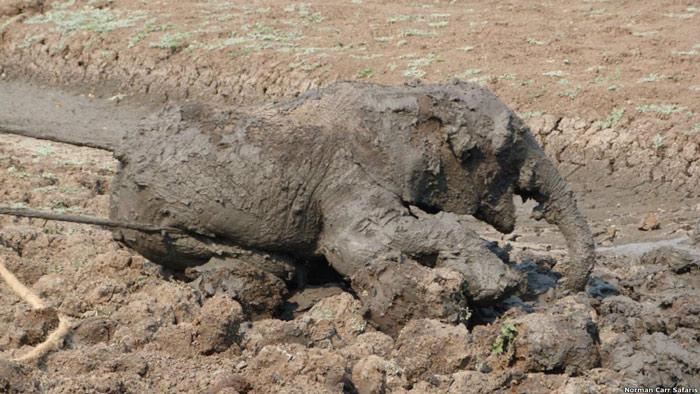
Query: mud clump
{"type": "Point", "coordinates": [650, 332]}
{"type": "Point", "coordinates": [161, 327]}
{"type": "Point", "coordinates": [539, 342]}
{"type": "Point", "coordinates": [15, 379]}
{"type": "Point", "coordinates": [259, 292]}
{"type": "Point", "coordinates": [395, 293]}
{"type": "Point", "coordinates": [94, 330]}
{"type": "Point", "coordinates": [217, 325]}
{"type": "Point", "coordinates": [427, 347]}
{"type": "Point", "coordinates": [334, 322]}
{"type": "Point", "coordinates": [376, 375]}
{"type": "Point", "coordinates": [649, 222]}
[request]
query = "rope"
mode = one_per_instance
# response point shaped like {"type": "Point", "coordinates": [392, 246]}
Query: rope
{"type": "Point", "coordinates": [94, 220]}
{"type": "Point", "coordinates": [56, 337]}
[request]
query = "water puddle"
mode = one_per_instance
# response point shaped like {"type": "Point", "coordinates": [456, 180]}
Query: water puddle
{"type": "Point", "coordinates": [639, 248]}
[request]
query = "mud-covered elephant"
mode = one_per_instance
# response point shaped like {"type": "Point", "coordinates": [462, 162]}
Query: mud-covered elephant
{"type": "Point", "coordinates": [359, 173]}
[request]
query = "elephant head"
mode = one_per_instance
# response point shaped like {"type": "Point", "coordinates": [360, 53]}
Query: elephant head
{"type": "Point", "coordinates": [458, 148]}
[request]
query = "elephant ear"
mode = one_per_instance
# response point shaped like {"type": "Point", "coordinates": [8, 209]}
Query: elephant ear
{"type": "Point", "coordinates": [492, 134]}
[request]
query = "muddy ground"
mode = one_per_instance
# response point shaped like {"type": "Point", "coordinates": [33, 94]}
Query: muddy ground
{"type": "Point", "coordinates": [610, 88]}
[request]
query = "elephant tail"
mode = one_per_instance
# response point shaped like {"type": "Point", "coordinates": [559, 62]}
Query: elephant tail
{"type": "Point", "coordinates": [50, 114]}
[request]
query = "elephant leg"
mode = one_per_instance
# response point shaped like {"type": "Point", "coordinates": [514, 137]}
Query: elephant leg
{"type": "Point", "coordinates": [405, 266]}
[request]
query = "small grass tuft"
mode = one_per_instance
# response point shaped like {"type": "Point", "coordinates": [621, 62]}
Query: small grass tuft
{"type": "Point", "coordinates": [418, 33]}
{"type": "Point", "coordinates": [399, 18]}
{"type": "Point", "coordinates": [414, 69]}
{"type": "Point", "coordinates": [658, 142]}
{"type": "Point", "coordinates": [571, 93]}
{"type": "Point", "coordinates": [645, 34]}
{"type": "Point", "coordinates": [31, 40]}
{"type": "Point", "coordinates": [439, 24]}
{"type": "Point", "coordinates": [651, 78]}
{"type": "Point", "coordinates": [531, 114]}
{"type": "Point", "coordinates": [555, 74]}
{"type": "Point", "coordinates": [305, 13]}
{"type": "Point", "coordinates": [692, 52]}
{"type": "Point", "coordinates": [597, 12]}
{"type": "Point", "coordinates": [614, 117]}
{"type": "Point", "coordinates": [172, 41]}
{"type": "Point", "coordinates": [149, 27]}
{"type": "Point", "coordinates": [505, 340]}
{"type": "Point", "coordinates": [261, 32]}
{"type": "Point", "coordinates": [365, 73]}
{"type": "Point", "coordinates": [44, 150]}
{"type": "Point", "coordinates": [664, 109]}
{"type": "Point", "coordinates": [469, 73]}
{"type": "Point", "coordinates": [680, 15]}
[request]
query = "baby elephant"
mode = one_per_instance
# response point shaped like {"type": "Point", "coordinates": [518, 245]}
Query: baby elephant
{"type": "Point", "coordinates": [368, 176]}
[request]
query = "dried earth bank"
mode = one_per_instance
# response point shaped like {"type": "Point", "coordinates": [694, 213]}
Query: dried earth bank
{"type": "Point", "coordinates": [611, 86]}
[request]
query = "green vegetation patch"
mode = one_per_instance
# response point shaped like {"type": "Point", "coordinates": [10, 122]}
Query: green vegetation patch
{"type": "Point", "coordinates": [658, 142]}
{"type": "Point", "coordinates": [414, 66]}
{"type": "Point", "coordinates": [615, 117]}
{"type": "Point", "coordinates": [506, 339]}
{"type": "Point", "coordinates": [261, 32]}
{"type": "Point", "coordinates": [571, 93]}
{"type": "Point", "coordinates": [469, 73]}
{"type": "Point", "coordinates": [149, 27]}
{"type": "Point", "coordinates": [531, 114]}
{"type": "Point", "coordinates": [665, 109]}
{"type": "Point", "coordinates": [439, 24]}
{"type": "Point", "coordinates": [418, 33]}
{"type": "Point", "coordinates": [651, 78]}
{"type": "Point", "coordinates": [555, 74]}
{"type": "Point", "coordinates": [365, 73]}
{"type": "Point", "coordinates": [86, 19]}
{"type": "Point", "coordinates": [259, 36]}
{"type": "Point", "coordinates": [172, 41]}
{"type": "Point", "coordinates": [533, 41]}
{"type": "Point", "coordinates": [304, 11]}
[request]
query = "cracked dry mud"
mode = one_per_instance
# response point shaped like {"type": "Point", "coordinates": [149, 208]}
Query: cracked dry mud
{"type": "Point", "coordinates": [141, 328]}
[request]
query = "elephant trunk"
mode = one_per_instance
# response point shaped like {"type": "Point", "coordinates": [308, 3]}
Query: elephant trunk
{"type": "Point", "coordinates": [539, 179]}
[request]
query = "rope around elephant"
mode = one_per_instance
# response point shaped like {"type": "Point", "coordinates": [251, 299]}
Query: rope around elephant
{"type": "Point", "coordinates": [54, 339]}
